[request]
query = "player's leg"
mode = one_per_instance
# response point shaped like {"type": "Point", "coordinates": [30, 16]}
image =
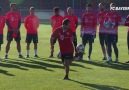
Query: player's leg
{"type": "Point", "coordinates": [52, 48]}
{"type": "Point", "coordinates": [35, 41]}
{"type": "Point", "coordinates": [102, 39]}
{"type": "Point", "coordinates": [109, 42]}
{"type": "Point", "coordinates": [28, 41]}
{"type": "Point", "coordinates": [27, 50]}
{"type": "Point", "coordinates": [68, 58]}
{"type": "Point", "coordinates": [128, 44]}
{"type": "Point", "coordinates": [91, 40]}
{"type": "Point", "coordinates": [75, 43]}
{"type": "Point", "coordinates": [9, 39]}
{"type": "Point", "coordinates": [1, 40]}
{"type": "Point", "coordinates": [17, 39]}
{"type": "Point", "coordinates": [114, 43]}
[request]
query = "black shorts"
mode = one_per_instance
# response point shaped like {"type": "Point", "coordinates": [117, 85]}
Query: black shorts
{"type": "Point", "coordinates": [68, 56]}
{"type": "Point", "coordinates": [112, 38]}
{"type": "Point", "coordinates": [1, 38]}
{"type": "Point", "coordinates": [10, 38]}
{"type": "Point", "coordinates": [102, 38]}
{"type": "Point", "coordinates": [30, 37]}
{"type": "Point", "coordinates": [87, 38]}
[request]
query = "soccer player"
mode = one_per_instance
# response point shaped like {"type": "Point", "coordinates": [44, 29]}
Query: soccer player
{"type": "Point", "coordinates": [56, 21]}
{"type": "Point", "coordinates": [102, 30]}
{"type": "Point", "coordinates": [2, 24]}
{"type": "Point", "coordinates": [73, 25]}
{"type": "Point", "coordinates": [127, 24]}
{"type": "Point", "coordinates": [64, 36]}
{"type": "Point", "coordinates": [88, 29]}
{"type": "Point", "coordinates": [13, 22]}
{"type": "Point", "coordinates": [112, 33]}
{"type": "Point", "coordinates": [31, 24]}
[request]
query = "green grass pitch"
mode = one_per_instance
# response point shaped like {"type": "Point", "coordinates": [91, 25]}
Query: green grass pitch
{"type": "Point", "coordinates": [47, 74]}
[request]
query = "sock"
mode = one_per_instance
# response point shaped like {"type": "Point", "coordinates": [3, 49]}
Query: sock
{"type": "Point", "coordinates": [66, 75]}
{"type": "Point", "coordinates": [19, 53]}
{"type": "Point", "coordinates": [104, 55]}
{"type": "Point", "coordinates": [35, 52]}
{"type": "Point", "coordinates": [27, 52]}
{"type": "Point", "coordinates": [6, 53]}
{"type": "Point", "coordinates": [109, 57]}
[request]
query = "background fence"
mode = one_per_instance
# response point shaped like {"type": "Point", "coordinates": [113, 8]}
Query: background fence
{"type": "Point", "coordinates": [77, 5]}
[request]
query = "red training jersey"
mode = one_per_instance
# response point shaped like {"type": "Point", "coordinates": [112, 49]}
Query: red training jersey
{"type": "Point", "coordinates": [113, 17]}
{"type": "Point", "coordinates": [31, 24]}
{"type": "Point", "coordinates": [56, 21]}
{"type": "Point", "coordinates": [2, 24]}
{"type": "Point", "coordinates": [127, 23]}
{"type": "Point", "coordinates": [89, 23]}
{"type": "Point", "coordinates": [13, 18]}
{"type": "Point", "coordinates": [101, 16]}
{"type": "Point", "coordinates": [64, 39]}
{"type": "Point", "coordinates": [73, 20]}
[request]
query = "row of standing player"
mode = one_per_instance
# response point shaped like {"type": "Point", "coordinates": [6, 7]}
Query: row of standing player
{"type": "Point", "coordinates": [88, 29]}
{"type": "Point", "coordinates": [64, 33]}
{"type": "Point", "coordinates": [13, 22]}
{"type": "Point", "coordinates": [107, 37]}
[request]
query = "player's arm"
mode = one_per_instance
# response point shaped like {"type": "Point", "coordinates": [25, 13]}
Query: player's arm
{"type": "Point", "coordinates": [53, 36]}
{"type": "Point", "coordinates": [19, 24]}
{"type": "Point", "coordinates": [95, 26]}
{"type": "Point", "coordinates": [51, 22]}
{"type": "Point", "coordinates": [8, 24]}
{"type": "Point", "coordinates": [25, 23]}
{"type": "Point", "coordinates": [119, 20]}
{"type": "Point", "coordinates": [76, 22]}
{"type": "Point", "coordinates": [82, 26]}
{"type": "Point", "coordinates": [126, 23]}
{"type": "Point", "coordinates": [37, 23]}
{"type": "Point", "coordinates": [51, 42]}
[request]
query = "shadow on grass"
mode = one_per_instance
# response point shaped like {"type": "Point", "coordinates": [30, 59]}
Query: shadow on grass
{"type": "Point", "coordinates": [28, 63]}
{"type": "Point", "coordinates": [6, 73]}
{"type": "Point", "coordinates": [7, 65]}
{"type": "Point", "coordinates": [73, 64]}
{"type": "Point", "coordinates": [118, 66]}
{"type": "Point", "coordinates": [90, 86]}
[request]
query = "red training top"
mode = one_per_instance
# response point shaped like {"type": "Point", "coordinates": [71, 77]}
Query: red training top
{"type": "Point", "coordinates": [89, 23]}
{"type": "Point", "coordinates": [2, 24]}
{"type": "Point", "coordinates": [13, 18]}
{"type": "Point", "coordinates": [101, 17]}
{"type": "Point", "coordinates": [31, 24]}
{"type": "Point", "coordinates": [56, 21]}
{"type": "Point", "coordinates": [73, 20]}
{"type": "Point", "coordinates": [113, 17]}
{"type": "Point", "coordinates": [127, 23]}
{"type": "Point", "coordinates": [64, 39]}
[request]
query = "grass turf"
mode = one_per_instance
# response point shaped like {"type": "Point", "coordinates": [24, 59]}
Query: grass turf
{"type": "Point", "coordinates": [47, 74]}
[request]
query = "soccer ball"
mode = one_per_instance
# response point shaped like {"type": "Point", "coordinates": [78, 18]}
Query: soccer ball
{"type": "Point", "coordinates": [80, 48]}
{"type": "Point", "coordinates": [59, 55]}
{"type": "Point", "coordinates": [108, 24]}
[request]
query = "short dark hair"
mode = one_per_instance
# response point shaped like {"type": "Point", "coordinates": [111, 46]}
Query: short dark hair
{"type": "Point", "coordinates": [11, 4]}
{"type": "Point", "coordinates": [65, 21]}
{"type": "Point", "coordinates": [56, 9]}
{"type": "Point", "coordinates": [32, 8]}
{"type": "Point", "coordinates": [88, 5]}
